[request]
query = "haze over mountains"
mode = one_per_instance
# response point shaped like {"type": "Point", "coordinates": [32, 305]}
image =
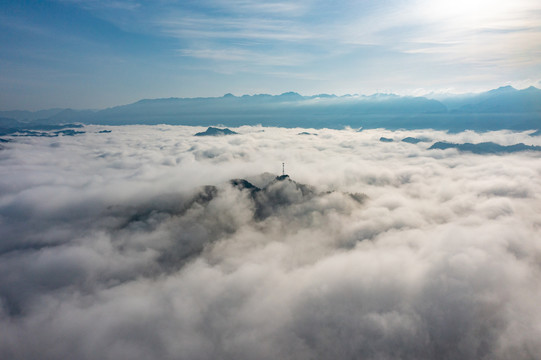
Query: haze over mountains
{"type": "Point", "coordinates": [502, 108]}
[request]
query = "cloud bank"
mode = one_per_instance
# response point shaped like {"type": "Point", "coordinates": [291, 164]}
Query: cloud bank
{"type": "Point", "coordinates": [134, 244]}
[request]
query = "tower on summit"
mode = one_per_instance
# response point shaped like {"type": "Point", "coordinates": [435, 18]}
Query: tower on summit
{"type": "Point", "coordinates": [283, 176]}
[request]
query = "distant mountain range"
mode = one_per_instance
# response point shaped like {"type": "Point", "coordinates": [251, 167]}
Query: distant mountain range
{"type": "Point", "coordinates": [502, 108]}
{"type": "Point", "coordinates": [485, 147]}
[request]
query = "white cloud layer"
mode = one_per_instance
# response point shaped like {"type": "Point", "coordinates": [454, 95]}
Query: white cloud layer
{"type": "Point", "coordinates": [104, 255]}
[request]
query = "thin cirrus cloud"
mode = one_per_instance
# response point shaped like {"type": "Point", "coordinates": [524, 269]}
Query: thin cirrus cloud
{"type": "Point", "coordinates": [451, 24]}
{"type": "Point", "coordinates": [254, 29]}
{"type": "Point", "coordinates": [268, 7]}
{"type": "Point", "coordinates": [468, 33]}
{"type": "Point", "coordinates": [245, 56]}
{"type": "Point", "coordinates": [101, 4]}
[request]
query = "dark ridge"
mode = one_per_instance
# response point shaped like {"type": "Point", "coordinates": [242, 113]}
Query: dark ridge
{"type": "Point", "coordinates": [485, 147]}
{"type": "Point", "coordinates": [242, 184]}
{"type": "Point", "coordinates": [104, 132]}
{"type": "Point", "coordinates": [10, 126]}
{"type": "Point", "coordinates": [48, 127]}
{"type": "Point", "coordinates": [280, 193]}
{"type": "Point", "coordinates": [31, 133]}
{"type": "Point", "coordinates": [412, 140]}
{"type": "Point", "coordinates": [212, 131]}
{"type": "Point", "coordinates": [384, 139]}
{"type": "Point", "coordinates": [68, 132]}
{"type": "Point", "coordinates": [306, 133]}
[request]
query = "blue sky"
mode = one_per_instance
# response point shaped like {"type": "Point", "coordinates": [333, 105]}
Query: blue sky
{"type": "Point", "coordinates": [96, 53]}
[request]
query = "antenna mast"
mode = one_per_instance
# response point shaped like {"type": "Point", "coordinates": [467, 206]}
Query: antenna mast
{"type": "Point", "coordinates": [283, 171]}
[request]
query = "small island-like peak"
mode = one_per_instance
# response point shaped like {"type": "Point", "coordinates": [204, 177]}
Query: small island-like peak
{"type": "Point", "coordinates": [212, 131]}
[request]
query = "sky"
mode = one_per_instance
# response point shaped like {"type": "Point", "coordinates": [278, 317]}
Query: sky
{"type": "Point", "coordinates": [97, 53]}
{"type": "Point", "coordinates": [111, 248]}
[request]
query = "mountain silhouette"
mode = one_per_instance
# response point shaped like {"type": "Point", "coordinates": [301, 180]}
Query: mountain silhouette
{"type": "Point", "coordinates": [212, 131]}
{"type": "Point", "coordinates": [278, 196]}
{"type": "Point", "coordinates": [485, 147]}
{"type": "Point", "coordinates": [502, 108]}
{"type": "Point", "coordinates": [413, 140]}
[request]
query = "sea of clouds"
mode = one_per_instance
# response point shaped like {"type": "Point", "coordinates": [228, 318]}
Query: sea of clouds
{"type": "Point", "coordinates": [105, 254]}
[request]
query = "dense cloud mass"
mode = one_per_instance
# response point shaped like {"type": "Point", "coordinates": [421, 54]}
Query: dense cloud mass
{"type": "Point", "coordinates": [135, 244]}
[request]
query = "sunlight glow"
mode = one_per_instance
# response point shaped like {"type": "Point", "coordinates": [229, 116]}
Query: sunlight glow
{"type": "Point", "coordinates": [470, 14]}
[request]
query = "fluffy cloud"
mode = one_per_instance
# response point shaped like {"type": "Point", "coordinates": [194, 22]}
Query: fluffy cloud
{"type": "Point", "coordinates": [113, 246]}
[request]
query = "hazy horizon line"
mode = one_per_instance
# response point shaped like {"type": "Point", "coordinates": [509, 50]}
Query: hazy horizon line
{"type": "Point", "coordinates": [436, 93]}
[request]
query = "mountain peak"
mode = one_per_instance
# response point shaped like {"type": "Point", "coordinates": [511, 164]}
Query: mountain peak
{"type": "Point", "coordinates": [503, 89]}
{"type": "Point", "coordinates": [212, 131]}
{"type": "Point", "coordinates": [291, 95]}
